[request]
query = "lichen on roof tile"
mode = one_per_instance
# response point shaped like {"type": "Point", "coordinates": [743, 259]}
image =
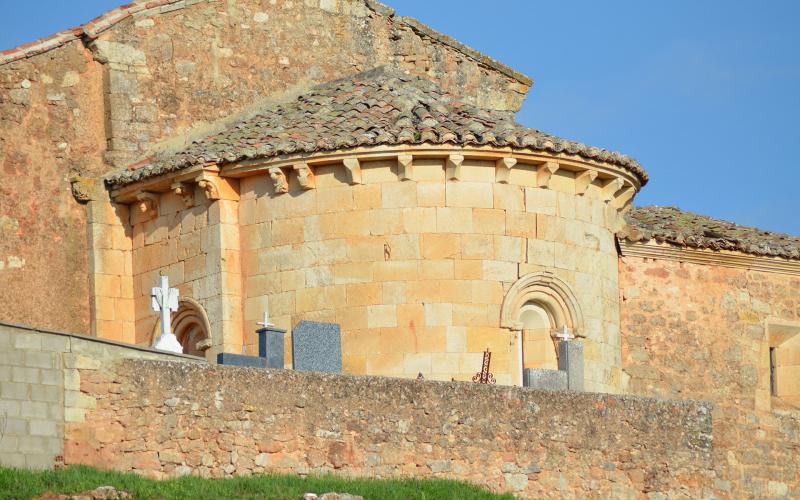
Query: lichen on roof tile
{"type": "Point", "coordinates": [383, 106]}
{"type": "Point", "coordinates": [674, 226]}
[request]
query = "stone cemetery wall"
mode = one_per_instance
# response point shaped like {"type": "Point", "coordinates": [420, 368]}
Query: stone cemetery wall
{"type": "Point", "coordinates": [415, 272]}
{"type": "Point", "coordinates": [702, 331]}
{"type": "Point", "coordinates": [165, 419]}
{"type": "Point", "coordinates": [112, 89]}
{"type": "Point", "coordinates": [40, 389]}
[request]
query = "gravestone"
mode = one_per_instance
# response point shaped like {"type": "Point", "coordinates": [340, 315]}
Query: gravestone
{"type": "Point", "coordinates": [544, 379]}
{"type": "Point", "coordinates": [570, 361]}
{"type": "Point", "coordinates": [230, 359]}
{"type": "Point", "coordinates": [270, 345]}
{"type": "Point", "coordinates": [317, 347]}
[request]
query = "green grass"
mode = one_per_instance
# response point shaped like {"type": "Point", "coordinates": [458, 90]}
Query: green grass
{"type": "Point", "coordinates": [23, 484]}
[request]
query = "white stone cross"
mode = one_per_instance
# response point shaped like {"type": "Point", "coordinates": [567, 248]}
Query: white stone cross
{"type": "Point", "coordinates": [165, 300]}
{"type": "Point", "coordinates": [266, 322]}
{"type": "Point", "coordinates": [564, 335]}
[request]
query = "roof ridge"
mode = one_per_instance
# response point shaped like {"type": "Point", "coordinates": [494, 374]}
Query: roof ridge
{"type": "Point", "coordinates": [91, 30]}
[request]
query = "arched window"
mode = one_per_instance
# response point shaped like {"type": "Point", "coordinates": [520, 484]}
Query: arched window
{"type": "Point", "coordinates": [537, 306]}
{"type": "Point", "coordinates": [190, 325]}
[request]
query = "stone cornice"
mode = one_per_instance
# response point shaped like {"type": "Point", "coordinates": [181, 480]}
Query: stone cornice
{"type": "Point", "coordinates": [664, 251]}
{"type": "Point", "coordinates": [616, 183]}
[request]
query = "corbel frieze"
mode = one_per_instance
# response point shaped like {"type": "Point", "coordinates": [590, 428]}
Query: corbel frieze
{"type": "Point", "coordinates": [186, 192]}
{"type": "Point", "coordinates": [583, 180]}
{"type": "Point", "coordinates": [353, 167]}
{"type": "Point", "coordinates": [305, 177]}
{"type": "Point", "coordinates": [503, 168]}
{"type": "Point", "coordinates": [453, 167]}
{"type": "Point", "coordinates": [405, 167]}
{"type": "Point", "coordinates": [544, 173]}
{"type": "Point", "coordinates": [279, 181]}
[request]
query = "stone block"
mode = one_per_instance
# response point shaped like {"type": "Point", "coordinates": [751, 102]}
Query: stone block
{"type": "Point", "coordinates": [469, 194]}
{"type": "Point", "coordinates": [438, 314]}
{"type": "Point", "coordinates": [14, 390]}
{"type": "Point", "coordinates": [431, 194]}
{"type": "Point", "coordinates": [317, 346]}
{"type": "Point", "coordinates": [454, 220]}
{"type": "Point", "coordinates": [43, 428]}
{"type": "Point", "coordinates": [28, 340]}
{"type": "Point", "coordinates": [230, 359]}
{"type": "Point", "coordinates": [541, 201]}
{"type": "Point", "coordinates": [542, 379]}
{"type": "Point", "coordinates": [489, 221]}
{"type": "Point", "coordinates": [441, 246]}
{"type": "Point", "coordinates": [270, 346]}
{"type": "Point", "coordinates": [399, 195]}
{"type": "Point", "coordinates": [381, 316]}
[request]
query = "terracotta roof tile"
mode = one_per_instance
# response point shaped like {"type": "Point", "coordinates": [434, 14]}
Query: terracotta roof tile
{"type": "Point", "coordinates": [686, 229]}
{"type": "Point", "coordinates": [380, 107]}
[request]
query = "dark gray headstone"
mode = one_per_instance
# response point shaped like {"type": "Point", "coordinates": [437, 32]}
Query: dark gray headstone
{"type": "Point", "coordinates": [230, 359]}
{"type": "Point", "coordinates": [270, 346]}
{"type": "Point", "coordinates": [547, 380]}
{"type": "Point", "coordinates": [570, 360]}
{"type": "Point", "coordinates": [317, 347]}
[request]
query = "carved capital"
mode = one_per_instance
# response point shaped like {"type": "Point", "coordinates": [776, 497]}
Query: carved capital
{"type": "Point", "coordinates": [305, 177]}
{"type": "Point", "coordinates": [453, 167]}
{"type": "Point", "coordinates": [146, 202]}
{"type": "Point", "coordinates": [405, 167]}
{"type": "Point", "coordinates": [353, 167]}
{"type": "Point", "coordinates": [583, 179]}
{"type": "Point", "coordinates": [610, 188]}
{"type": "Point", "coordinates": [544, 173]}
{"type": "Point", "coordinates": [185, 191]}
{"type": "Point", "coordinates": [503, 168]}
{"type": "Point", "coordinates": [279, 181]}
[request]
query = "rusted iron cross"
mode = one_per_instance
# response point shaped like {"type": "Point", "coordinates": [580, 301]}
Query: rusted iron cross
{"type": "Point", "coordinates": [484, 376]}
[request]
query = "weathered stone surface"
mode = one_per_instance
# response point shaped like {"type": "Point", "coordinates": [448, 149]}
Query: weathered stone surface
{"type": "Point", "coordinates": [504, 438]}
{"type": "Point", "coordinates": [705, 335]}
{"type": "Point", "coordinates": [65, 110]}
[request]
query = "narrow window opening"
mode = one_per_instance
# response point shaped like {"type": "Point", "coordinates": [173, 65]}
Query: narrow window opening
{"type": "Point", "coordinates": [773, 380]}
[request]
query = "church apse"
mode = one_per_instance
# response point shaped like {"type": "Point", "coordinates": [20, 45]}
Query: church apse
{"type": "Point", "coordinates": [411, 248]}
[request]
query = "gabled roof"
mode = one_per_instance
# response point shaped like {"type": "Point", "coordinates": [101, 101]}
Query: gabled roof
{"type": "Point", "coordinates": [379, 107]}
{"type": "Point", "coordinates": [686, 229]}
{"type": "Point", "coordinates": [91, 30]}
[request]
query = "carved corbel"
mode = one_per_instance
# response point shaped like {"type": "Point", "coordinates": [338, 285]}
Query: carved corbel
{"type": "Point", "coordinates": [583, 179]}
{"type": "Point", "coordinates": [503, 168]}
{"type": "Point", "coordinates": [544, 173]}
{"type": "Point", "coordinates": [625, 196]}
{"type": "Point", "coordinates": [353, 167]}
{"type": "Point", "coordinates": [405, 167]}
{"type": "Point", "coordinates": [279, 181]}
{"type": "Point", "coordinates": [147, 203]}
{"type": "Point", "coordinates": [453, 167]}
{"type": "Point", "coordinates": [610, 188]}
{"type": "Point", "coordinates": [305, 177]}
{"type": "Point", "coordinates": [185, 191]}
{"type": "Point", "coordinates": [210, 189]}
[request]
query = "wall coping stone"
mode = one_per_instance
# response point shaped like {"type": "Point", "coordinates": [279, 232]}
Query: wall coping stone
{"type": "Point", "coordinates": [99, 340]}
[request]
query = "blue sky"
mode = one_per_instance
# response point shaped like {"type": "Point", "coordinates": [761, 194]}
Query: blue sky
{"type": "Point", "coordinates": [706, 95]}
